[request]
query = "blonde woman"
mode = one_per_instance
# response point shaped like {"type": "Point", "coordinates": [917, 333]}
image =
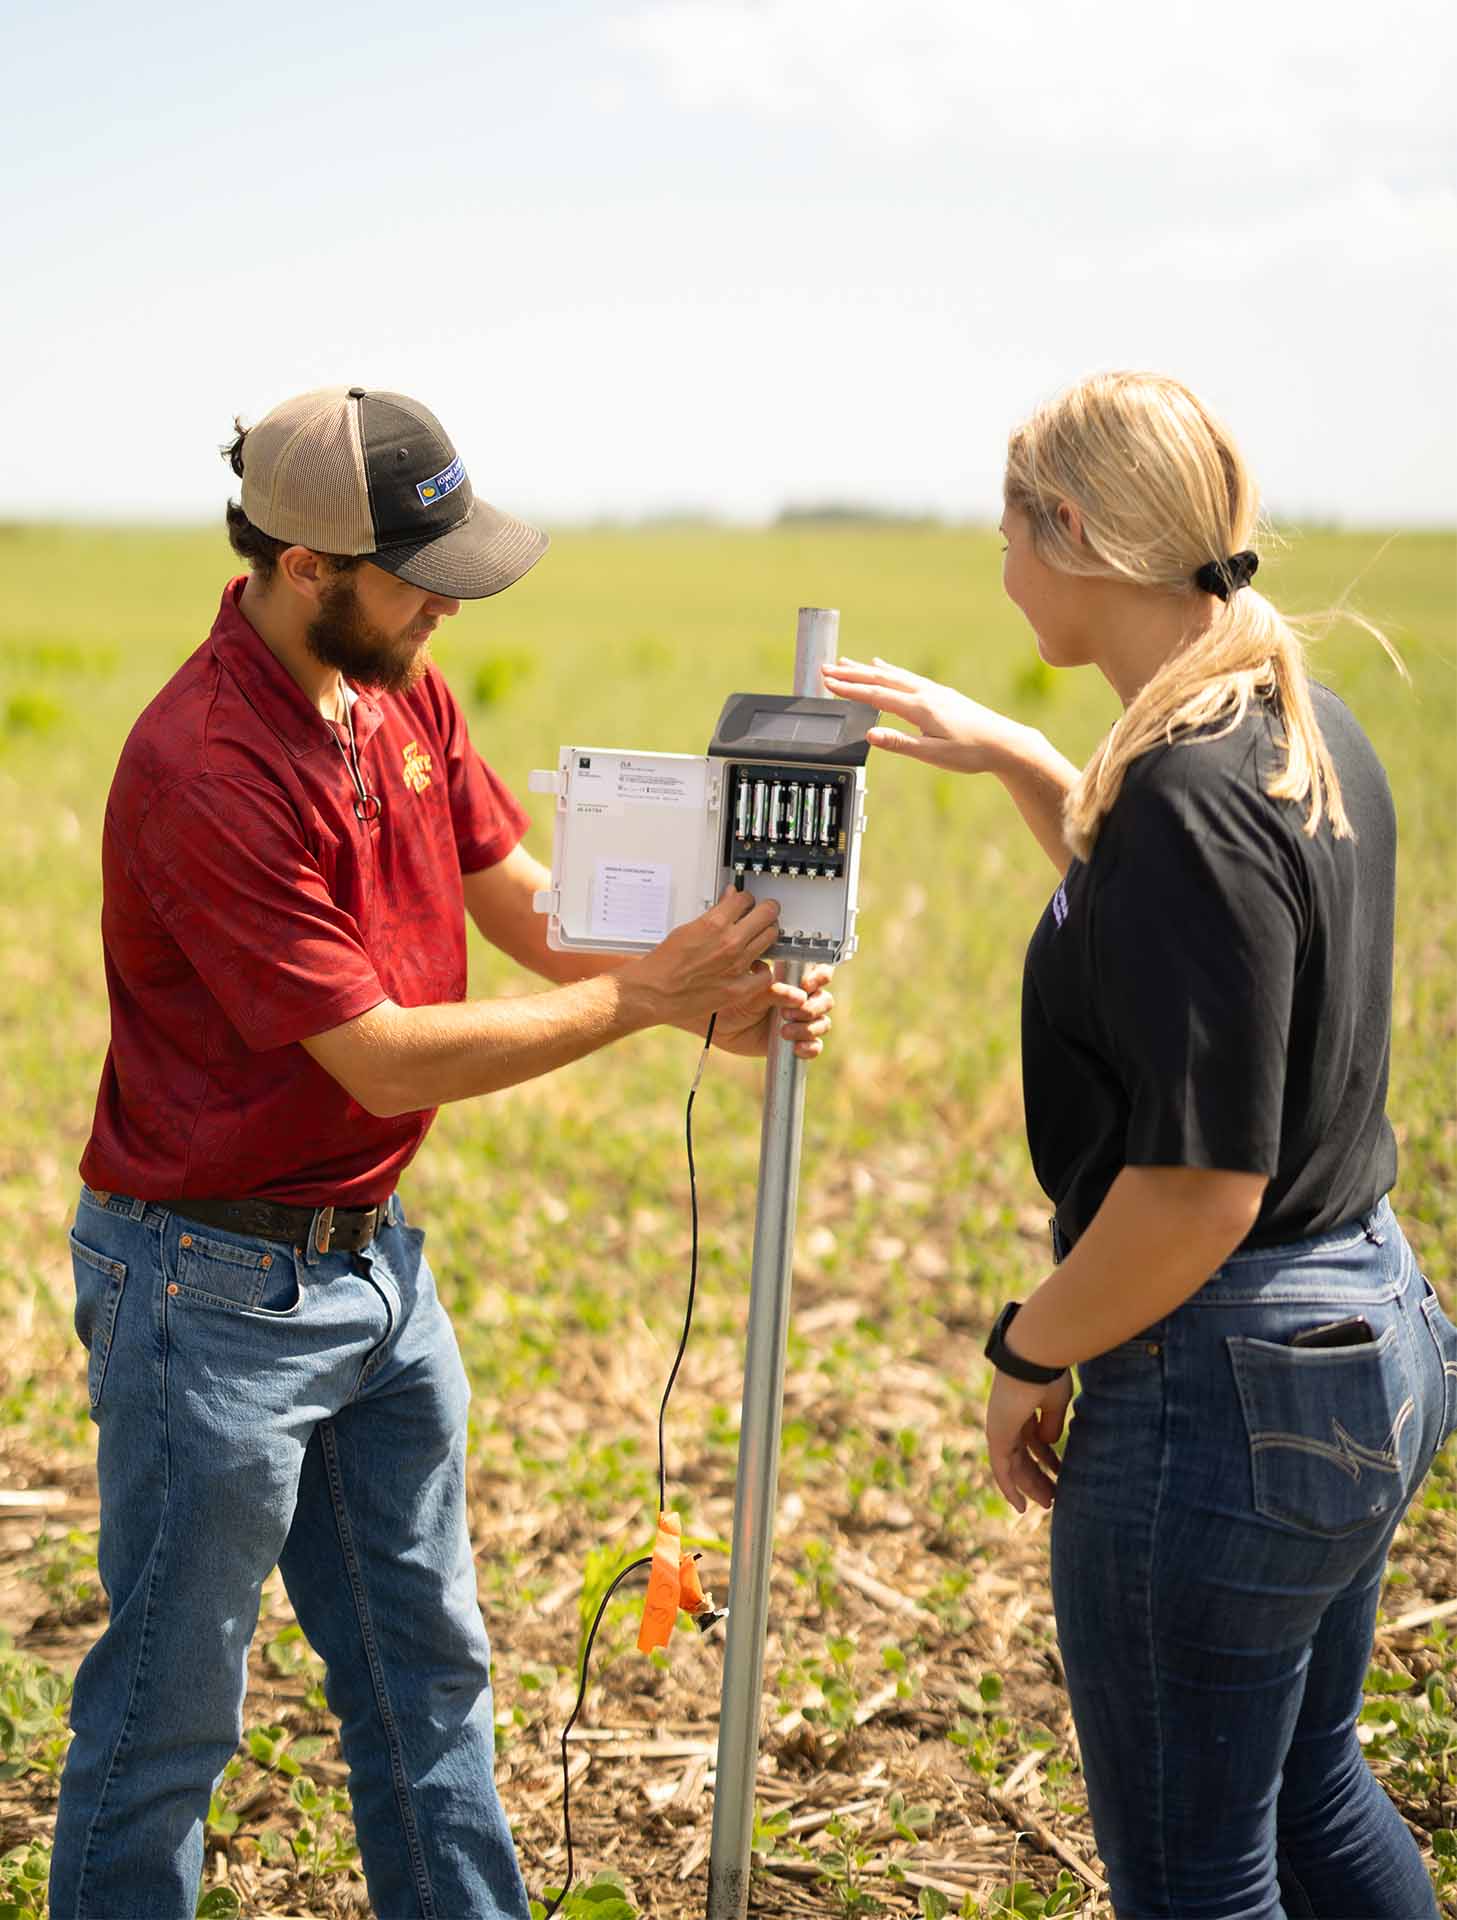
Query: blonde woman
{"type": "Point", "coordinates": [1265, 1376]}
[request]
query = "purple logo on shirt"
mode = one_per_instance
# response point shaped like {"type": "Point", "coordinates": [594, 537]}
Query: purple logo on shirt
{"type": "Point", "coordinates": [1059, 903]}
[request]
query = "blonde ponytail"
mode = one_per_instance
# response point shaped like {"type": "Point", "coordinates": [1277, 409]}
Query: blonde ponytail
{"type": "Point", "coordinates": [1248, 653]}
{"type": "Point", "coordinates": [1161, 491]}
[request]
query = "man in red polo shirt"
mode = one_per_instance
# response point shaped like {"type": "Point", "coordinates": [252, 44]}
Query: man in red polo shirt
{"type": "Point", "coordinates": [297, 828]}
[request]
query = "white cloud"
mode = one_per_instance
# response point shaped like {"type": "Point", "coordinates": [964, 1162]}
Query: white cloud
{"type": "Point", "coordinates": [1282, 84]}
{"type": "Point", "coordinates": [1358, 229]}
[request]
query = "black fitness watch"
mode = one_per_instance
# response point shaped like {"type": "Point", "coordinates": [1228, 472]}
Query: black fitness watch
{"type": "Point", "coordinates": [1005, 1361]}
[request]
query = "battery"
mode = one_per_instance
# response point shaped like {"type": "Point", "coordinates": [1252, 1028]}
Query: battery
{"type": "Point", "coordinates": [761, 802]}
{"type": "Point", "coordinates": [743, 801]}
{"type": "Point", "coordinates": [791, 811]}
{"type": "Point", "coordinates": [776, 807]}
{"type": "Point", "coordinates": [829, 815]}
{"type": "Point", "coordinates": [807, 818]}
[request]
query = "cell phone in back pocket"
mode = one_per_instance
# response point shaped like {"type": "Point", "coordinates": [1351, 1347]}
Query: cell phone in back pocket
{"type": "Point", "coordinates": [1335, 1333]}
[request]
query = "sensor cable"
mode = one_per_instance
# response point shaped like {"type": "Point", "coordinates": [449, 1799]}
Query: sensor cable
{"type": "Point", "coordinates": [637, 1566]}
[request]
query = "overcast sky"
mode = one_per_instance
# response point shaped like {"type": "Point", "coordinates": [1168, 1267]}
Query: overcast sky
{"type": "Point", "coordinates": [727, 253]}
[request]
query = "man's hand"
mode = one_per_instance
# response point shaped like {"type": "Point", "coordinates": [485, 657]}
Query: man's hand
{"type": "Point", "coordinates": [713, 964]}
{"type": "Point", "coordinates": [802, 1027]}
{"type": "Point", "coordinates": [1022, 1424]}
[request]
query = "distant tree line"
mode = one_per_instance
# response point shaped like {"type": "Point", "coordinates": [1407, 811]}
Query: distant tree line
{"type": "Point", "coordinates": [850, 513]}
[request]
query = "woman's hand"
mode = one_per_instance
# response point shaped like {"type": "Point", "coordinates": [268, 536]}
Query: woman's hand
{"type": "Point", "coordinates": [802, 1027]}
{"type": "Point", "coordinates": [967, 738]}
{"type": "Point", "coordinates": [956, 732]}
{"type": "Point", "coordinates": [1023, 1422]}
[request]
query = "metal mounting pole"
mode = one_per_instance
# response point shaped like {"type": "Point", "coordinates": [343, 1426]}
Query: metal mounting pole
{"type": "Point", "coordinates": [757, 1484]}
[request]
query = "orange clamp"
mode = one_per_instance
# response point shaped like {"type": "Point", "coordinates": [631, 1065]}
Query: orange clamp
{"type": "Point", "coordinates": [690, 1591]}
{"type": "Point", "coordinates": [673, 1583]}
{"type": "Point", "coordinates": [660, 1608]}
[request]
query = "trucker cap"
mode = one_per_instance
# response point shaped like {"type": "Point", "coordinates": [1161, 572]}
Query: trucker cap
{"type": "Point", "coordinates": [348, 470]}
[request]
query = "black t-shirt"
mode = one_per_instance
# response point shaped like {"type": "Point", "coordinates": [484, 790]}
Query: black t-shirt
{"type": "Point", "coordinates": [1213, 988]}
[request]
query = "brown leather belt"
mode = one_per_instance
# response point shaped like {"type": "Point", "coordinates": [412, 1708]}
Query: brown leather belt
{"type": "Point", "coordinates": [331, 1229]}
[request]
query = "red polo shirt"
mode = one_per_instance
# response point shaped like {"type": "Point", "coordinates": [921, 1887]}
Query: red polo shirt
{"type": "Point", "coordinates": [245, 907]}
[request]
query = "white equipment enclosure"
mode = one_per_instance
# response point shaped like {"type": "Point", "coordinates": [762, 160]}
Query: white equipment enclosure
{"type": "Point", "coordinates": [644, 842]}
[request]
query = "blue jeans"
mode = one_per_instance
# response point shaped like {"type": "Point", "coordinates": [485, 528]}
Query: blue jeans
{"type": "Point", "coordinates": [261, 1404]}
{"type": "Point", "coordinates": [1220, 1531]}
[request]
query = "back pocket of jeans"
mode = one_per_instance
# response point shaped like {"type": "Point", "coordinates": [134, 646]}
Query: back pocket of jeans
{"type": "Point", "coordinates": [1325, 1427]}
{"type": "Point", "coordinates": [99, 1281]}
{"type": "Point", "coordinates": [1444, 1338]}
{"type": "Point", "coordinates": [239, 1274]}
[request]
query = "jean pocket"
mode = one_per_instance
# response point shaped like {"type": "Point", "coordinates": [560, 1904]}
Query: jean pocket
{"type": "Point", "coordinates": [99, 1281]}
{"type": "Point", "coordinates": [1444, 1338]}
{"type": "Point", "coordinates": [1325, 1427]}
{"type": "Point", "coordinates": [243, 1276]}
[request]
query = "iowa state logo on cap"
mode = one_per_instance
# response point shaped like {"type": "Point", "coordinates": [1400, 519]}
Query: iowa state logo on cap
{"type": "Point", "coordinates": [441, 483]}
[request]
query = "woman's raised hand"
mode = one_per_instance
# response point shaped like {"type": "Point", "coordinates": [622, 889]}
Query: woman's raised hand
{"type": "Point", "coordinates": [956, 733]}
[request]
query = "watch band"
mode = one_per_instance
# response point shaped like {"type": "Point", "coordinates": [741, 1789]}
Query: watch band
{"type": "Point", "coordinates": [1005, 1361]}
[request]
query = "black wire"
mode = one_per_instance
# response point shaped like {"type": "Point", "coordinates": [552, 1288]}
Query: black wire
{"type": "Point", "coordinates": [636, 1567]}
{"type": "Point", "coordinates": [692, 1268]}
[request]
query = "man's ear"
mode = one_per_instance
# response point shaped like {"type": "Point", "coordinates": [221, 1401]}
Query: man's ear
{"type": "Point", "coordinates": [303, 571]}
{"type": "Point", "coordinates": [1072, 520]}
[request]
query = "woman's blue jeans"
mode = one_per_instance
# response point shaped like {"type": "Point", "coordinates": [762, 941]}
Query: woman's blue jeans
{"type": "Point", "coordinates": [1221, 1526]}
{"type": "Point", "coordinates": [261, 1404]}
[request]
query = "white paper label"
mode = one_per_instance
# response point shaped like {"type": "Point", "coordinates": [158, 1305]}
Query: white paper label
{"type": "Point", "coordinates": [630, 901]}
{"type": "Point", "coordinates": [662, 783]}
{"type": "Point", "coordinates": [594, 784]}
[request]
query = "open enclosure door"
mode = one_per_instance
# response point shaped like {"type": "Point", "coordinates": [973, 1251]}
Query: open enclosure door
{"type": "Point", "coordinates": [634, 850]}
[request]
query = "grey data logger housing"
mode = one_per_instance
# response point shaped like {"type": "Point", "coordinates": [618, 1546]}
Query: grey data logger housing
{"type": "Point", "coordinates": [776, 726]}
{"type": "Point", "coordinates": [644, 842]}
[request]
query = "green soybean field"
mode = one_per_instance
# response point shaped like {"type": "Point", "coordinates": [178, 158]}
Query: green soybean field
{"type": "Point", "coordinates": [918, 1753]}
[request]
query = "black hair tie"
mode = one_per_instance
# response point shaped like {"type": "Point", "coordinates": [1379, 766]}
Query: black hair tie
{"type": "Point", "coordinates": [1224, 577]}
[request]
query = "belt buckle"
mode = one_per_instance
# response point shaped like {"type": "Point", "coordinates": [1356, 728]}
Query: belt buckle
{"type": "Point", "coordinates": [323, 1229]}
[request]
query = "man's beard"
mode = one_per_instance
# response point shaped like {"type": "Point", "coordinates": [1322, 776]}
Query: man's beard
{"type": "Point", "coordinates": [339, 636]}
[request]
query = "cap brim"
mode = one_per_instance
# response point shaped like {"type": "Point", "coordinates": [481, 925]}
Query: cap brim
{"type": "Point", "coordinates": [483, 555]}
